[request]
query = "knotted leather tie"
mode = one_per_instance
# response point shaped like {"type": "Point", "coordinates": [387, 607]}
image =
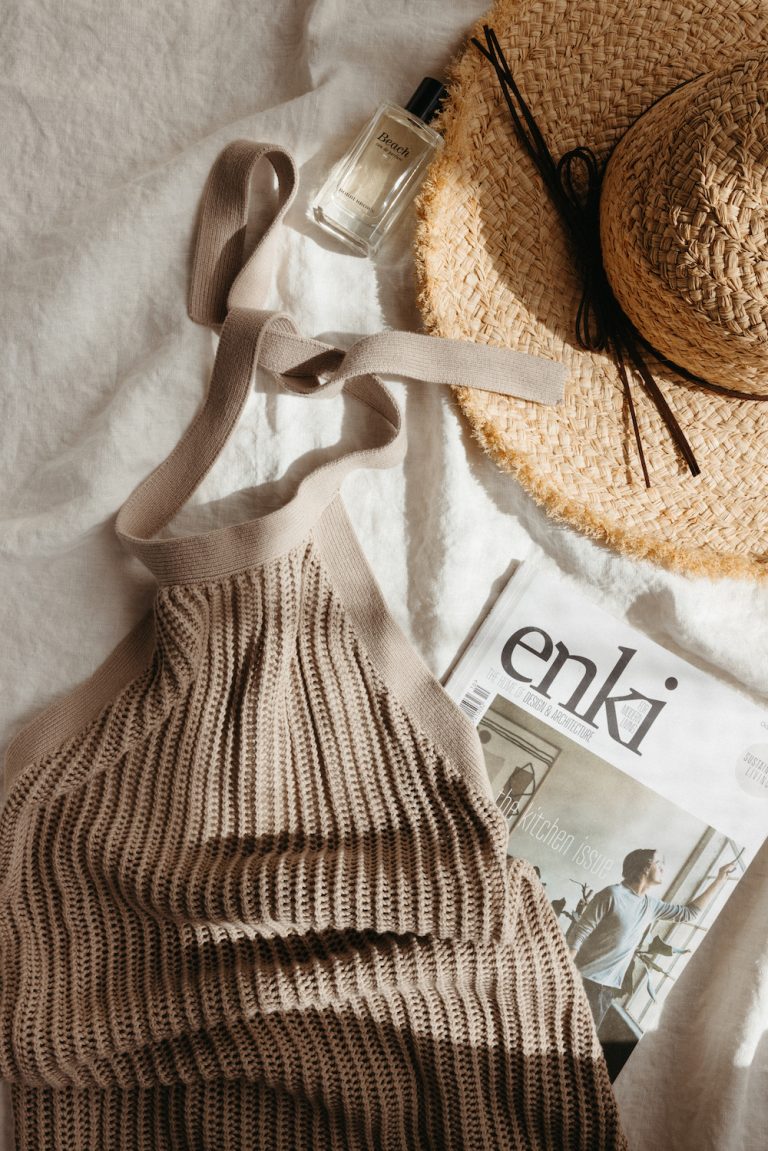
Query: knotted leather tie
{"type": "Point", "coordinates": [600, 322]}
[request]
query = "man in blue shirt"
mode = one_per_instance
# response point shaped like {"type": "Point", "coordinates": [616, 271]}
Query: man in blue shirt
{"type": "Point", "coordinates": [604, 939]}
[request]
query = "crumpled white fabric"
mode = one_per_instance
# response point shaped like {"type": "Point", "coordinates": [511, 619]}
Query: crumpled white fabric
{"type": "Point", "coordinates": [111, 117]}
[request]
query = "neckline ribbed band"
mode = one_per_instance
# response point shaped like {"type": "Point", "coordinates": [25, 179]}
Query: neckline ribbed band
{"type": "Point", "coordinates": [229, 549]}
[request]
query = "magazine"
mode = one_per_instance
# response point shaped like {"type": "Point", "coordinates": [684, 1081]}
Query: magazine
{"type": "Point", "coordinates": [633, 782]}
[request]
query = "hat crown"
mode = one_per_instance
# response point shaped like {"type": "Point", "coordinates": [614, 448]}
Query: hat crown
{"type": "Point", "coordinates": [684, 225]}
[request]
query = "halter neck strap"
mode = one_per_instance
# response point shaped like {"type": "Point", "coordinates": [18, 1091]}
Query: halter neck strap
{"type": "Point", "coordinates": [227, 293]}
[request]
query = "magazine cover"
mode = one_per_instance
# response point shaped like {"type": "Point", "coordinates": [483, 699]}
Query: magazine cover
{"type": "Point", "coordinates": [635, 784]}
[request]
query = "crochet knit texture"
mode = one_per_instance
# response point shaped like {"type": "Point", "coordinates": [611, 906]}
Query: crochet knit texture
{"type": "Point", "coordinates": [254, 889]}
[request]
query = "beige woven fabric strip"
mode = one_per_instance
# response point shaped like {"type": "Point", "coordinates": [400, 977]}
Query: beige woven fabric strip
{"type": "Point", "coordinates": [418, 357]}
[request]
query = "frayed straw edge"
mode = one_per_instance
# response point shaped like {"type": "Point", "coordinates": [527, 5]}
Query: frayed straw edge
{"type": "Point", "coordinates": [696, 562]}
{"type": "Point", "coordinates": [448, 122]}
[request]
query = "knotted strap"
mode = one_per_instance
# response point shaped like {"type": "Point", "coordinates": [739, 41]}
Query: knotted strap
{"type": "Point", "coordinates": [222, 279]}
{"type": "Point", "coordinates": [227, 293]}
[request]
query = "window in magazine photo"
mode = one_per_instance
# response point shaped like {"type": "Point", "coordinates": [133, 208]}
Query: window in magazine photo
{"type": "Point", "coordinates": [634, 879]}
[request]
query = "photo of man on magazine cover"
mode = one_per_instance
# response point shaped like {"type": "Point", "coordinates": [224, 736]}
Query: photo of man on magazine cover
{"type": "Point", "coordinates": [634, 879]}
{"type": "Point", "coordinates": [604, 939]}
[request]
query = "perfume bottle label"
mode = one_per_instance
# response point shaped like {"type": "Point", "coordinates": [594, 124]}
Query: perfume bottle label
{"type": "Point", "coordinates": [382, 166]}
{"type": "Point", "coordinates": [385, 141]}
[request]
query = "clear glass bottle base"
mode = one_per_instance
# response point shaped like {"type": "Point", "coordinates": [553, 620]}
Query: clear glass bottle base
{"type": "Point", "coordinates": [347, 230]}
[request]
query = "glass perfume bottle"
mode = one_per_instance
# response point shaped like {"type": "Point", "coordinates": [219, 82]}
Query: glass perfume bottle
{"type": "Point", "coordinates": [368, 189]}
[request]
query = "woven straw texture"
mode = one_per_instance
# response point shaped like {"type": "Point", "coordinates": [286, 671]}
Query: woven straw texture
{"type": "Point", "coordinates": [495, 265]}
{"type": "Point", "coordinates": [683, 212]}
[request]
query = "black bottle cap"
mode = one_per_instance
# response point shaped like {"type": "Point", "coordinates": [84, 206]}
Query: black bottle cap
{"type": "Point", "coordinates": [425, 101]}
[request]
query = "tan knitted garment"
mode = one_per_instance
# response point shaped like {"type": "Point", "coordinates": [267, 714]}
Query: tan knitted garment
{"type": "Point", "coordinates": [254, 888]}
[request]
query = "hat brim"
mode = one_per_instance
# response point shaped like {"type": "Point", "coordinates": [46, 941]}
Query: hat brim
{"type": "Point", "coordinates": [495, 265]}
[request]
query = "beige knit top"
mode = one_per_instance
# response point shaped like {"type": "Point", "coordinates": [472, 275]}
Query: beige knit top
{"type": "Point", "coordinates": [253, 887]}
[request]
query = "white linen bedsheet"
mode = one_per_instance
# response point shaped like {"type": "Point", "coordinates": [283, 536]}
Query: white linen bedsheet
{"type": "Point", "coordinates": [112, 114]}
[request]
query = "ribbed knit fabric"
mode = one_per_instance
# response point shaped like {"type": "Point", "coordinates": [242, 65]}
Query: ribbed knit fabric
{"type": "Point", "coordinates": [253, 887]}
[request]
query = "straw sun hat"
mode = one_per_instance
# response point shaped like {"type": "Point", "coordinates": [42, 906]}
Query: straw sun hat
{"type": "Point", "coordinates": [674, 95]}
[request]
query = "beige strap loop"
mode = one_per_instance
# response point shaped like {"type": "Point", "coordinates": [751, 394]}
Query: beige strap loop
{"type": "Point", "coordinates": [221, 278]}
